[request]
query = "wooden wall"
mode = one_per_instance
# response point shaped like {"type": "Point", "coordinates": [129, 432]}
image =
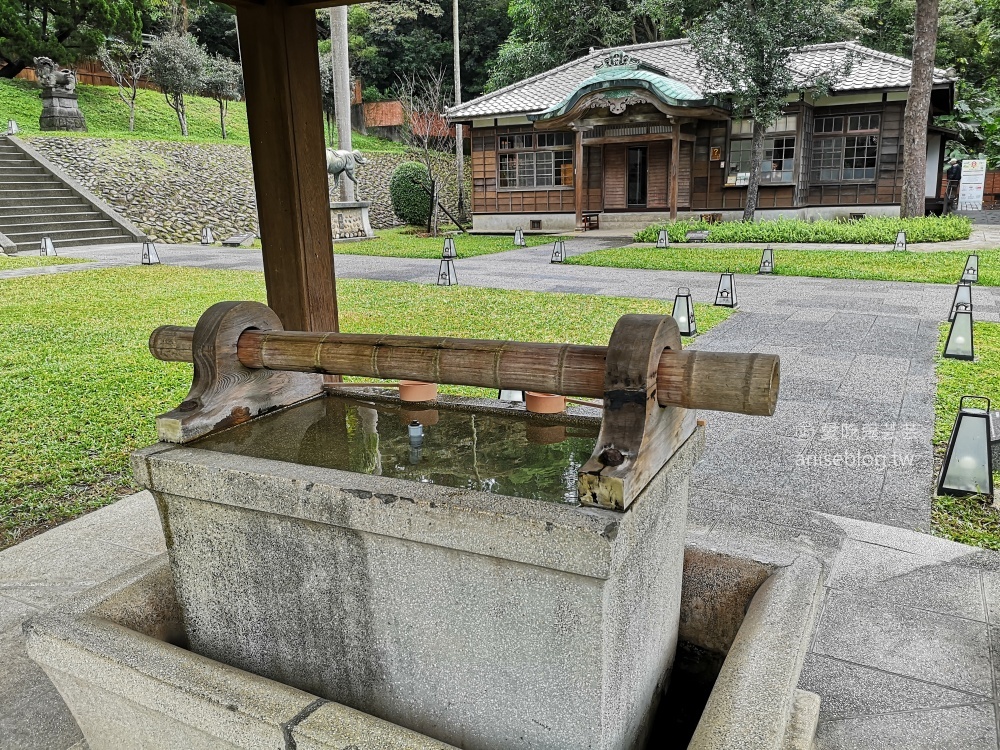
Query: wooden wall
{"type": "Point", "coordinates": [657, 174]}
{"type": "Point", "coordinates": [593, 165]}
{"type": "Point", "coordinates": [684, 175]}
{"type": "Point", "coordinates": [487, 199]}
{"type": "Point", "coordinates": [615, 176]}
{"type": "Point", "coordinates": [887, 188]}
{"type": "Point", "coordinates": [700, 181]}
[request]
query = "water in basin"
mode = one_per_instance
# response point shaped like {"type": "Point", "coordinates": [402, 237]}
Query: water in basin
{"type": "Point", "coordinates": [502, 452]}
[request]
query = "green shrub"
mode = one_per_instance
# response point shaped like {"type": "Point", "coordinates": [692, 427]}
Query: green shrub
{"type": "Point", "coordinates": [410, 202]}
{"type": "Point", "coordinates": [872, 230]}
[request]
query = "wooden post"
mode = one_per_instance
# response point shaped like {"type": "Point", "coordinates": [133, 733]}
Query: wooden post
{"type": "Point", "coordinates": [578, 181]}
{"type": "Point", "coordinates": [284, 111]}
{"type": "Point", "coordinates": [675, 156]}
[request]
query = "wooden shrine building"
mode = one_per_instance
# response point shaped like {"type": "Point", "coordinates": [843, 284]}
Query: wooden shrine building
{"type": "Point", "coordinates": [629, 136]}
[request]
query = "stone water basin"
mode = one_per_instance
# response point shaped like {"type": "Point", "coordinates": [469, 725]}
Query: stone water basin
{"type": "Point", "coordinates": [330, 584]}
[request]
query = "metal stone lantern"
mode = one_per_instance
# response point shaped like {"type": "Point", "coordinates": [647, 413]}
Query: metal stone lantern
{"type": "Point", "coordinates": [767, 261]}
{"type": "Point", "coordinates": [207, 237]}
{"type": "Point", "coordinates": [971, 273]}
{"type": "Point", "coordinates": [446, 273]}
{"type": "Point", "coordinates": [12, 127]}
{"type": "Point", "coordinates": [519, 237]}
{"type": "Point", "coordinates": [46, 247]}
{"type": "Point", "coordinates": [960, 344]}
{"type": "Point", "coordinates": [684, 312]}
{"type": "Point", "coordinates": [968, 464]}
{"type": "Point", "coordinates": [961, 301]}
{"type": "Point", "coordinates": [558, 251]}
{"type": "Point", "coordinates": [725, 296]}
{"type": "Point", "coordinates": [149, 255]}
{"type": "Point", "coordinates": [663, 240]}
{"type": "Point", "coordinates": [900, 242]}
{"type": "Point", "coordinates": [448, 251]}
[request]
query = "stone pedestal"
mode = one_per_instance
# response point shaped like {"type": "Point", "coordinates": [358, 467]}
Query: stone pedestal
{"type": "Point", "coordinates": [61, 112]}
{"type": "Point", "coordinates": [486, 622]}
{"type": "Point", "coordinates": [350, 220]}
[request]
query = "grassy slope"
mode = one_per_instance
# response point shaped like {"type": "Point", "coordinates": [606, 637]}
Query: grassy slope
{"type": "Point", "coordinates": [972, 520]}
{"type": "Point", "coordinates": [81, 390]}
{"type": "Point", "coordinates": [401, 243]}
{"type": "Point", "coordinates": [933, 267]}
{"type": "Point", "coordinates": [107, 116]}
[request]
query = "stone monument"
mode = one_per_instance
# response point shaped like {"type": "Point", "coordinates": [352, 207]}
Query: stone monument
{"type": "Point", "coordinates": [349, 218]}
{"type": "Point", "coordinates": [59, 107]}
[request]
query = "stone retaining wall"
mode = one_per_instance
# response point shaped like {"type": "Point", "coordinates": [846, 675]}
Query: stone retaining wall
{"type": "Point", "coordinates": [171, 190]}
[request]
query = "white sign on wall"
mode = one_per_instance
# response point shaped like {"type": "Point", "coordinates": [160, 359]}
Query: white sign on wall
{"type": "Point", "coordinates": [970, 189]}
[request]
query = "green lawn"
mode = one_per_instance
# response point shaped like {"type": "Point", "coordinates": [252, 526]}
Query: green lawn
{"type": "Point", "coordinates": [8, 262]}
{"type": "Point", "coordinates": [81, 390]}
{"type": "Point", "coordinates": [934, 267]}
{"type": "Point", "coordinates": [403, 243]}
{"type": "Point", "coordinates": [107, 116]}
{"type": "Point", "coordinates": [971, 520]}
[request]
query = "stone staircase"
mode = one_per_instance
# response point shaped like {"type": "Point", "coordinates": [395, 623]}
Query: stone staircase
{"type": "Point", "coordinates": [36, 203]}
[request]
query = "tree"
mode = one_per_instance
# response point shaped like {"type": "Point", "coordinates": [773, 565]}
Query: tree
{"type": "Point", "coordinates": [423, 98]}
{"type": "Point", "coordinates": [176, 65]}
{"type": "Point", "coordinates": [394, 38]}
{"type": "Point", "coordinates": [65, 30]}
{"type": "Point", "coordinates": [459, 144]}
{"type": "Point", "coordinates": [214, 26]}
{"type": "Point", "coordinates": [222, 80]}
{"type": "Point", "coordinates": [126, 63]}
{"type": "Point", "coordinates": [918, 104]}
{"type": "Point", "coordinates": [744, 46]}
{"type": "Point", "coordinates": [546, 33]}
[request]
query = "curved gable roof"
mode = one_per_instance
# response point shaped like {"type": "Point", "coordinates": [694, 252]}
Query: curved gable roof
{"type": "Point", "coordinates": [870, 70]}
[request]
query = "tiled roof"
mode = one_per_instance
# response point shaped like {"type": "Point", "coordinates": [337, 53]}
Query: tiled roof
{"type": "Point", "coordinates": [870, 70]}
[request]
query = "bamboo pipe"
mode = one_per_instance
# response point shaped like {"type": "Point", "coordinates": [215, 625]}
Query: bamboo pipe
{"type": "Point", "coordinates": [714, 381]}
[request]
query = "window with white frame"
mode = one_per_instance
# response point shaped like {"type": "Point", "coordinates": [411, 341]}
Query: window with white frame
{"type": "Point", "coordinates": [845, 148]}
{"type": "Point", "coordinates": [778, 165]}
{"type": "Point", "coordinates": [535, 160]}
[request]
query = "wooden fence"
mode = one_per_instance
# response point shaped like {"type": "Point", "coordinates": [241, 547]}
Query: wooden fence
{"type": "Point", "coordinates": [89, 73]}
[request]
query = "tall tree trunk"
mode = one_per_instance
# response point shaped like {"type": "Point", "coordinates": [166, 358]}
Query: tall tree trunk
{"type": "Point", "coordinates": [11, 69]}
{"type": "Point", "coordinates": [918, 104]}
{"type": "Point", "coordinates": [459, 143]}
{"type": "Point", "coordinates": [222, 118]}
{"type": "Point", "coordinates": [131, 116]}
{"type": "Point", "coordinates": [341, 72]}
{"type": "Point", "coordinates": [756, 157]}
{"type": "Point", "coordinates": [182, 115]}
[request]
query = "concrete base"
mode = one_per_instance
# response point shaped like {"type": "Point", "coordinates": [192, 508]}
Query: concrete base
{"type": "Point", "coordinates": [117, 656]}
{"type": "Point", "coordinates": [350, 220]}
{"type": "Point", "coordinates": [487, 622]}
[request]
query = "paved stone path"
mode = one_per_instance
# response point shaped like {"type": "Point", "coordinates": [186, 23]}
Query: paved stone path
{"type": "Point", "coordinates": [906, 651]}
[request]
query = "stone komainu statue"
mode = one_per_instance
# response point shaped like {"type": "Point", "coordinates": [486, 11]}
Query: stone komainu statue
{"type": "Point", "coordinates": [60, 110]}
{"type": "Point", "coordinates": [60, 81]}
{"type": "Point", "coordinates": [343, 162]}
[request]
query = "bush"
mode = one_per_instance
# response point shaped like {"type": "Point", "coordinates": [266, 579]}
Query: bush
{"type": "Point", "coordinates": [410, 202]}
{"type": "Point", "coordinates": [871, 230]}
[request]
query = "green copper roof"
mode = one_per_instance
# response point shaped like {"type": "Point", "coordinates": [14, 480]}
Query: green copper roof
{"type": "Point", "coordinates": [618, 82]}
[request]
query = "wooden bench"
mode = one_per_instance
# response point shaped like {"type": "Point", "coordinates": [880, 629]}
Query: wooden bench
{"type": "Point", "coordinates": [591, 221]}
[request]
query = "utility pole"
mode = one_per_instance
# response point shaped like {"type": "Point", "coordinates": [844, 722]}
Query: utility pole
{"type": "Point", "coordinates": [459, 142]}
{"type": "Point", "coordinates": [341, 70]}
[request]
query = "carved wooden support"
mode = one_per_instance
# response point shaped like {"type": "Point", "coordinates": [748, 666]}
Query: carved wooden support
{"type": "Point", "coordinates": [224, 392]}
{"type": "Point", "coordinates": [638, 436]}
